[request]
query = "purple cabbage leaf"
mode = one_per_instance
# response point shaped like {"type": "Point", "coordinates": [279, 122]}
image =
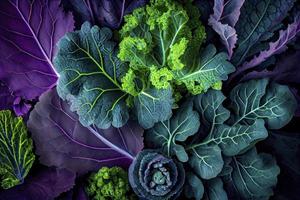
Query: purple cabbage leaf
{"type": "Point", "coordinates": [29, 31]}
{"type": "Point", "coordinates": [102, 12]}
{"type": "Point", "coordinates": [62, 141]}
{"type": "Point", "coordinates": [225, 16]}
{"type": "Point", "coordinates": [45, 184]}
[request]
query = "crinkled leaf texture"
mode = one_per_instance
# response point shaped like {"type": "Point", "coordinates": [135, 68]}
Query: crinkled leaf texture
{"type": "Point", "coordinates": [63, 142]}
{"type": "Point", "coordinates": [167, 134]}
{"type": "Point", "coordinates": [102, 12]}
{"type": "Point", "coordinates": [225, 16]}
{"type": "Point", "coordinates": [254, 175]}
{"type": "Point", "coordinates": [16, 150]}
{"type": "Point", "coordinates": [29, 31]}
{"type": "Point", "coordinates": [257, 18]}
{"type": "Point", "coordinates": [152, 106]}
{"type": "Point", "coordinates": [285, 36]}
{"type": "Point", "coordinates": [45, 184]}
{"type": "Point", "coordinates": [89, 77]}
{"type": "Point", "coordinates": [207, 70]}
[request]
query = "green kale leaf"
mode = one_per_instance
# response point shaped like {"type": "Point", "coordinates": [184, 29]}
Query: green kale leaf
{"type": "Point", "coordinates": [99, 86]}
{"type": "Point", "coordinates": [16, 150]}
{"type": "Point", "coordinates": [90, 77]}
{"type": "Point", "coordinates": [162, 43]}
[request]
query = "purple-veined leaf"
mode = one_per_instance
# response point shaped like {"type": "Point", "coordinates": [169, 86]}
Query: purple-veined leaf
{"type": "Point", "coordinates": [45, 184]}
{"type": "Point", "coordinates": [29, 30]}
{"type": "Point", "coordinates": [62, 141]}
{"type": "Point", "coordinates": [102, 12]}
{"type": "Point", "coordinates": [225, 16]}
{"type": "Point", "coordinates": [285, 36]}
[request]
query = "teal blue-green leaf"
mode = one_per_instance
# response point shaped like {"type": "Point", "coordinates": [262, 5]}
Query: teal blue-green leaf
{"type": "Point", "coordinates": [206, 161]}
{"type": "Point", "coordinates": [16, 150]}
{"type": "Point", "coordinates": [214, 190]}
{"type": "Point", "coordinates": [152, 106]}
{"type": "Point", "coordinates": [211, 110]}
{"type": "Point", "coordinates": [257, 18]}
{"type": "Point", "coordinates": [90, 75]}
{"type": "Point", "coordinates": [236, 139]}
{"type": "Point", "coordinates": [254, 175]}
{"type": "Point", "coordinates": [193, 187]}
{"type": "Point", "coordinates": [262, 99]}
{"type": "Point", "coordinates": [207, 71]}
{"type": "Point", "coordinates": [166, 135]}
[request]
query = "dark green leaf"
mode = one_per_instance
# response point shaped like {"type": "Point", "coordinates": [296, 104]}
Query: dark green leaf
{"type": "Point", "coordinates": [236, 139]}
{"type": "Point", "coordinates": [89, 79]}
{"type": "Point", "coordinates": [166, 134]}
{"type": "Point", "coordinates": [256, 19]}
{"type": "Point", "coordinates": [152, 106]}
{"type": "Point", "coordinates": [193, 187]}
{"type": "Point", "coordinates": [254, 175]}
{"type": "Point", "coordinates": [211, 110]}
{"type": "Point", "coordinates": [214, 190]}
{"type": "Point", "coordinates": [260, 99]}
{"type": "Point", "coordinates": [206, 161]}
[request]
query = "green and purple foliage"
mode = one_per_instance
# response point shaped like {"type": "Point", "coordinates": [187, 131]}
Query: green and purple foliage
{"type": "Point", "coordinates": [149, 99]}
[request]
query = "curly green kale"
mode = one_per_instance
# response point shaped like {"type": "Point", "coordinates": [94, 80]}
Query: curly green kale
{"type": "Point", "coordinates": [162, 43]}
{"type": "Point", "coordinates": [109, 184]}
{"type": "Point", "coordinates": [16, 150]}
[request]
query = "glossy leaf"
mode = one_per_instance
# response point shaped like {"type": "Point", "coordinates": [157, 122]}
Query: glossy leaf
{"type": "Point", "coordinates": [63, 142]}
{"type": "Point", "coordinates": [16, 150]}
{"type": "Point", "coordinates": [29, 31]}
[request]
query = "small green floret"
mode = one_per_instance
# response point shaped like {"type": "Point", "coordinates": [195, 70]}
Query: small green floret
{"type": "Point", "coordinates": [109, 184]}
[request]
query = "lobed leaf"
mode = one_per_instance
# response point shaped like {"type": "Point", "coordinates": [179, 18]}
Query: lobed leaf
{"type": "Point", "coordinates": [259, 99]}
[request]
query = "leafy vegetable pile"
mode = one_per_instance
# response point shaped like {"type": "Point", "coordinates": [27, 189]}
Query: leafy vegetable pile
{"type": "Point", "coordinates": [149, 99]}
